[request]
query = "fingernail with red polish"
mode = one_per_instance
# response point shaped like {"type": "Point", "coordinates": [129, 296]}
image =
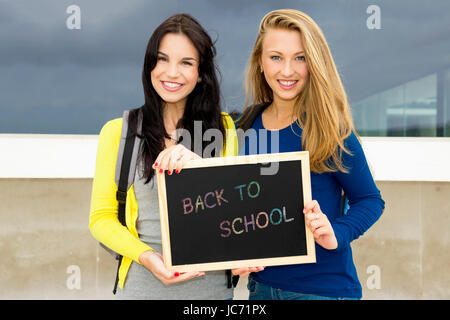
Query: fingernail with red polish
{"type": "Point", "coordinates": [177, 171]}
{"type": "Point", "coordinates": [156, 164]}
{"type": "Point", "coordinates": [161, 170]}
{"type": "Point", "coordinates": [176, 274]}
{"type": "Point", "coordinates": [170, 172]}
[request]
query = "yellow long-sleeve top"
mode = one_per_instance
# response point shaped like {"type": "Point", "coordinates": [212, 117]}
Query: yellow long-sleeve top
{"type": "Point", "coordinates": [103, 218]}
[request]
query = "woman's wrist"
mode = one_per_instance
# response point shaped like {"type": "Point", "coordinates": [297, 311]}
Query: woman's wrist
{"type": "Point", "coordinates": [143, 257]}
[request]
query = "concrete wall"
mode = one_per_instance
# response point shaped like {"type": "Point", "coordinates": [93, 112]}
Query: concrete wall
{"type": "Point", "coordinates": [47, 251]}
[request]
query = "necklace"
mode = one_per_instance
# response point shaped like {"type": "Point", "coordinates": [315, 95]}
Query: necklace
{"type": "Point", "coordinates": [292, 129]}
{"type": "Point", "coordinates": [173, 139]}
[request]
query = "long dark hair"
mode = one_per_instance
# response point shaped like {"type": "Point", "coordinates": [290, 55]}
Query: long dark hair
{"type": "Point", "coordinates": [203, 103]}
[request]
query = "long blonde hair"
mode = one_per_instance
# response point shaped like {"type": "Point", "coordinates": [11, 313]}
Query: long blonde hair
{"type": "Point", "coordinates": [323, 111]}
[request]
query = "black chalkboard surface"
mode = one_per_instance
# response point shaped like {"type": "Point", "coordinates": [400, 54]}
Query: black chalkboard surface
{"type": "Point", "coordinates": [224, 213]}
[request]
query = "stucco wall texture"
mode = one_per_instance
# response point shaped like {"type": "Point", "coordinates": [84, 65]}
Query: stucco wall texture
{"type": "Point", "coordinates": [48, 251]}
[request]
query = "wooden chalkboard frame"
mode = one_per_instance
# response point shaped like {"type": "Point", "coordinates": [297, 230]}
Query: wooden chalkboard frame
{"type": "Point", "coordinates": [310, 257]}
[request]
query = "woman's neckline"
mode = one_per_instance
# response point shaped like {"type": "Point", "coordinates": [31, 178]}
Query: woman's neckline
{"type": "Point", "coordinates": [280, 129]}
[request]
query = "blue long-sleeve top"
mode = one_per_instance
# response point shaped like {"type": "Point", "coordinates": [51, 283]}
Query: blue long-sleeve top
{"type": "Point", "coordinates": [334, 273]}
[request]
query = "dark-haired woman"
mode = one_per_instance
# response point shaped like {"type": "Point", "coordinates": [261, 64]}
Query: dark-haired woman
{"type": "Point", "coordinates": [181, 89]}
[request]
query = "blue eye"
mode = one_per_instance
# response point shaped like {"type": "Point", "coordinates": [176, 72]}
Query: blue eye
{"type": "Point", "coordinates": [276, 58]}
{"type": "Point", "coordinates": [300, 58]}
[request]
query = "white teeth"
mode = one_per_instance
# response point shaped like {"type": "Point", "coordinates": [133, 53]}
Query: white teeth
{"type": "Point", "coordinates": [287, 83]}
{"type": "Point", "coordinates": [172, 85]}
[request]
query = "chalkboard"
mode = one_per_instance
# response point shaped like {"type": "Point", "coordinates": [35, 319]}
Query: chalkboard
{"type": "Point", "coordinates": [223, 213]}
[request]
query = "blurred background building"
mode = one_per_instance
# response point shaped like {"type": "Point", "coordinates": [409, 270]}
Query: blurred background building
{"type": "Point", "coordinates": [61, 79]}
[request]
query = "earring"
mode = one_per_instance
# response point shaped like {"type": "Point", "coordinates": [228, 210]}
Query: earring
{"type": "Point", "coordinates": [261, 68]}
{"type": "Point", "coordinates": [199, 79]}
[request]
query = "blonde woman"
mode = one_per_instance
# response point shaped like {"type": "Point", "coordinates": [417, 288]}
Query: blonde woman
{"type": "Point", "coordinates": [295, 92]}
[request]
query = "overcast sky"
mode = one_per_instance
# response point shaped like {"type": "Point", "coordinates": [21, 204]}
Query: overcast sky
{"type": "Point", "coordinates": [57, 80]}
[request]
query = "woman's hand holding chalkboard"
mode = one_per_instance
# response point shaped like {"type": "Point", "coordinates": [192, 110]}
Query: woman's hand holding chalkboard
{"type": "Point", "coordinates": [173, 159]}
{"type": "Point", "coordinates": [243, 272]}
{"type": "Point", "coordinates": [154, 262]}
{"type": "Point", "coordinates": [320, 226]}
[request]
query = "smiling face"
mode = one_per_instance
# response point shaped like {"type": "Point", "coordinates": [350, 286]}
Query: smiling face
{"type": "Point", "coordinates": [176, 72]}
{"type": "Point", "coordinates": [283, 63]}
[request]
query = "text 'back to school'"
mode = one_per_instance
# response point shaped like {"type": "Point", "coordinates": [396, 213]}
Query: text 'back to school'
{"type": "Point", "coordinates": [246, 223]}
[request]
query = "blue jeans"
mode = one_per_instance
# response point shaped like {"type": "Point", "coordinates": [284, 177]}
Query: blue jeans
{"type": "Point", "coordinates": [261, 291]}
